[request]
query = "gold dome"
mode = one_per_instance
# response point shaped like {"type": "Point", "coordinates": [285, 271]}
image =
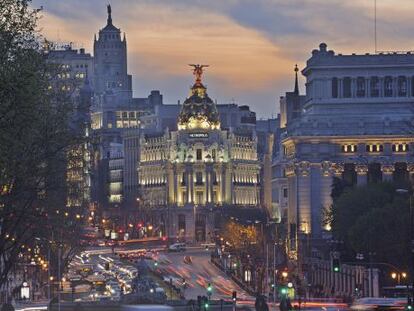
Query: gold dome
{"type": "Point", "coordinates": [198, 111]}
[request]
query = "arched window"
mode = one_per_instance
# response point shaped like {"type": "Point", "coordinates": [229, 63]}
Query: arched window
{"type": "Point", "coordinates": [335, 87]}
{"type": "Point", "coordinates": [360, 87]}
{"type": "Point", "coordinates": [374, 85]}
{"type": "Point", "coordinates": [412, 86]}
{"type": "Point", "coordinates": [402, 86]}
{"type": "Point", "coordinates": [347, 87]}
{"type": "Point", "coordinates": [388, 86]}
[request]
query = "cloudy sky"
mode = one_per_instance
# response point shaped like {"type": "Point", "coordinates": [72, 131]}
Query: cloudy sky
{"type": "Point", "coordinates": [251, 45]}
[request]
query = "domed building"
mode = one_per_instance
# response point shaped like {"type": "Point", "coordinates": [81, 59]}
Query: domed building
{"type": "Point", "coordinates": [183, 174]}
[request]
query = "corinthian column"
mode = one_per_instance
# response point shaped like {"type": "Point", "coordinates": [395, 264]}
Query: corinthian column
{"type": "Point", "coordinates": [387, 172]}
{"type": "Point", "coordinates": [362, 172]}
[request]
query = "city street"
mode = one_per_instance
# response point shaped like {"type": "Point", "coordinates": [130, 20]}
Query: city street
{"type": "Point", "coordinates": [198, 274]}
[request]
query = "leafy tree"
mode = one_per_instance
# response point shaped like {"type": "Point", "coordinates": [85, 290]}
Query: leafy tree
{"type": "Point", "coordinates": [240, 237]}
{"type": "Point", "coordinates": [372, 218]}
{"type": "Point", "coordinates": [36, 133]}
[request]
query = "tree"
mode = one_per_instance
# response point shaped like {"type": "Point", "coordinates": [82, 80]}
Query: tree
{"type": "Point", "coordinates": [242, 238]}
{"type": "Point", "coordinates": [36, 133]}
{"type": "Point", "coordinates": [372, 218]}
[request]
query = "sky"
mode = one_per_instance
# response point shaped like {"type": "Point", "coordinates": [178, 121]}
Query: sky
{"type": "Point", "coordinates": [251, 46]}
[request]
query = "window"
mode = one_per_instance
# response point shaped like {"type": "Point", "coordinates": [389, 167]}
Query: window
{"type": "Point", "coordinates": [181, 223]}
{"type": "Point", "coordinates": [347, 87]}
{"type": "Point", "coordinates": [388, 87]}
{"type": "Point", "coordinates": [349, 148]}
{"type": "Point", "coordinates": [214, 178]}
{"type": "Point", "coordinates": [412, 86]}
{"type": "Point", "coordinates": [199, 197]}
{"type": "Point", "coordinates": [285, 193]}
{"type": "Point", "coordinates": [213, 154]}
{"type": "Point", "coordinates": [183, 179]}
{"type": "Point", "coordinates": [335, 87]}
{"type": "Point", "coordinates": [402, 86]}
{"type": "Point", "coordinates": [374, 148]}
{"type": "Point", "coordinates": [199, 178]}
{"type": "Point", "coordinates": [400, 147]}
{"type": "Point", "coordinates": [360, 87]}
{"type": "Point", "coordinates": [199, 154]}
{"type": "Point", "coordinates": [374, 85]}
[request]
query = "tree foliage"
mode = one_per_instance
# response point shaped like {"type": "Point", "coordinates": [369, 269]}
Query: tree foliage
{"type": "Point", "coordinates": [373, 219]}
{"type": "Point", "coordinates": [35, 136]}
{"type": "Point", "coordinates": [242, 238]}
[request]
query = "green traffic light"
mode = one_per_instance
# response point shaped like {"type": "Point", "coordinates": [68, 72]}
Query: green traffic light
{"type": "Point", "coordinates": [283, 290]}
{"type": "Point", "coordinates": [336, 269]}
{"type": "Point", "coordinates": [409, 307]}
{"type": "Point", "coordinates": [206, 306]}
{"type": "Point", "coordinates": [155, 263]}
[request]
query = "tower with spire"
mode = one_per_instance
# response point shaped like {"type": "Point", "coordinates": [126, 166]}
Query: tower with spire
{"type": "Point", "coordinates": [291, 104]}
{"type": "Point", "coordinates": [110, 53]}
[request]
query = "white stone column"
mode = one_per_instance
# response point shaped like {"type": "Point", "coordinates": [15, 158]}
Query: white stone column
{"type": "Point", "coordinates": [362, 174]}
{"type": "Point", "coordinates": [304, 197]}
{"type": "Point", "coordinates": [191, 186]}
{"type": "Point", "coordinates": [387, 172]}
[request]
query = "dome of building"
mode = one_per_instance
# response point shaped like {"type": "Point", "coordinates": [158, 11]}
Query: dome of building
{"type": "Point", "coordinates": [198, 111]}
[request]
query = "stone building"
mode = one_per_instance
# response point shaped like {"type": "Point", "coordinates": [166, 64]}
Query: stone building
{"type": "Point", "coordinates": [355, 123]}
{"type": "Point", "coordinates": [185, 174]}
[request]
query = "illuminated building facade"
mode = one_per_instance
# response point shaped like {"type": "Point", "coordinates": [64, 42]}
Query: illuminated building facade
{"type": "Point", "coordinates": [355, 123]}
{"type": "Point", "coordinates": [183, 174]}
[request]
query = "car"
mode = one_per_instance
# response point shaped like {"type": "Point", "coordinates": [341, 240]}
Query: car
{"type": "Point", "coordinates": [188, 260]}
{"type": "Point", "coordinates": [177, 247]}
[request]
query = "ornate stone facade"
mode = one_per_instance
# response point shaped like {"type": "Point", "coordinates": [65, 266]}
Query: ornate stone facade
{"type": "Point", "coordinates": [355, 123]}
{"type": "Point", "coordinates": [188, 172]}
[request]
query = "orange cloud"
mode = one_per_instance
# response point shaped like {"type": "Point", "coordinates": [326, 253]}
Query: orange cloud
{"type": "Point", "coordinates": [165, 38]}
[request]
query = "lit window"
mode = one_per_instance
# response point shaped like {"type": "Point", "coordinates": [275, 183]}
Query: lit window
{"type": "Point", "coordinates": [403, 147]}
{"type": "Point", "coordinates": [349, 148]}
{"type": "Point", "coordinates": [374, 148]}
{"type": "Point", "coordinates": [199, 154]}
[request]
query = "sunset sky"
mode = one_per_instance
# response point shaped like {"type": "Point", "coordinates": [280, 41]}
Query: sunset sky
{"type": "Point", "coordinates": [250, 45]}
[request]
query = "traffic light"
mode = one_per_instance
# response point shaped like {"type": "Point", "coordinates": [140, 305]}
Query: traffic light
{"type": "Point", "coordinates": [283, 290]}
{"type": "Point", "coordinates": [205, 303]}
{"type": "Point", "coordinates": [155, 263]}
{"type": "Point", "coordinates": [409, 306]}
{"type": "Point", "coordinates": [234, 296]}
{"type": "Point", "coordinates": [209, 290]}
{"type": "Point", "coordinates": [336, 265]}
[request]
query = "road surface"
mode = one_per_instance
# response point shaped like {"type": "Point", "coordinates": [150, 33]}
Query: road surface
{"type": "Point", "coordinates": [198, 275]}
